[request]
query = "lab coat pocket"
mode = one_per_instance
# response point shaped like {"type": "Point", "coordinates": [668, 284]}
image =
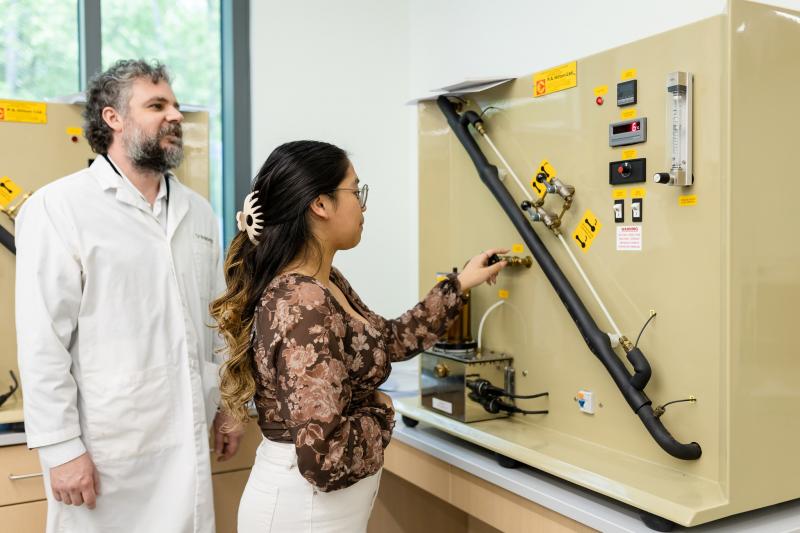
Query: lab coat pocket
{"type": "Point", "coordinates": [130, 415]}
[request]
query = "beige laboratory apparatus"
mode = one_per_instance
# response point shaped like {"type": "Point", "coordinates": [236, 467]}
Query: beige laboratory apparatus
{"type": "Point", "coordinates": [655, 186]}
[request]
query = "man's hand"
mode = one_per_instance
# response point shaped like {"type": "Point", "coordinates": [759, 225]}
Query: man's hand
{"type": "Point", "coordinates": [76, 482]}
{"type": "Point", "coordinates": [226, 443]}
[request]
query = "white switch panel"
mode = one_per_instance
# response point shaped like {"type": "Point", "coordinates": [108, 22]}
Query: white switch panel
{"type": "Point", "coordinates": [586, 401]}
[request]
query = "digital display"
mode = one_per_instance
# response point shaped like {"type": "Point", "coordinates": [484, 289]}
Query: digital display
{"type": "Point", "coordinates": [629, 127]}
{"type": "Point", "coordinates": [626, 93]}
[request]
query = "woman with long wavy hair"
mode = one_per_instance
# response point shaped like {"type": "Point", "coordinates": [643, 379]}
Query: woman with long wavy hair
{"type": "Point", "coordinates": [303, 345]}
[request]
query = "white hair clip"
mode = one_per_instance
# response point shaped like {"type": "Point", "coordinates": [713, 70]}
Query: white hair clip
{"type": "Point", "coordinates": [249, 218]}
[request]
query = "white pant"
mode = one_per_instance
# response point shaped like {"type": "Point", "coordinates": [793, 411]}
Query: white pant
{"type": "Point", "coordinates": [278, 499]}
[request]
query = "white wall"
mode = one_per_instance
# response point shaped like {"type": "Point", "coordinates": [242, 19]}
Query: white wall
{"type": "Point", "coordinates": [338, 72]}
{"type": "Point", "coordinates": [341, 71]}
{"type": "Point", "coordinates": [451, 39]}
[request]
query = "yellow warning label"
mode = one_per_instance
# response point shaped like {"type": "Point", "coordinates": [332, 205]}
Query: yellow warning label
{"type": "Point", "coordinates": [625, 114]}
{"type": "Point", "coordinates": [555, 79]}
{"type": "Point", "coordinates": [600, 90]}
{"type": "Point", "coordinates": [638, 192]}
{"type": "Point", "coordinates": [502, 293]}
{"type": "Point", "coordinates": [8, 191]}
{"type": "Point", "coordinates": [619, 194]}
{"type": "Point", "coordinates": [16, 111]}
{"type": "Point", "coordinates": [629, 153]}
{"type": "Point", "coordinates": [628, 74]}
{"type": "Point", "coordinates": [686, 200]}
{"type": "Point", "coordinates": [75, 131]}
{"type": "Point", "coordinates": [517, 248]}
{"type": "Point", "coordinates": [440, 277]}
{"type": "Point", "coordinates": [549, 173]}
{"type": "Point", "coordinates": [587, 229]}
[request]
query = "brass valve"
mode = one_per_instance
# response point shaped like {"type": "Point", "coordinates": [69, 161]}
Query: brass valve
{"type": "Point", "coordinates": [441, 370]}
{"type": "Point", "coordinates": [512, 260]}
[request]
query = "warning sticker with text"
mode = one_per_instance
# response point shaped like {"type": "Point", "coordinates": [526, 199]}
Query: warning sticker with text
{"type": "Point", "coordinates": [629, 238]}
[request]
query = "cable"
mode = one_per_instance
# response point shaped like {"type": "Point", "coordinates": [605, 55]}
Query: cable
{"type": "Point", "coordinates": [526, 396]}
{"type": "Point", "coordinates": [661, 409]}
{"type": "Point", "coordinates": [636, 344]}
{"type": "Point", "coordinates": [483, 320]}
{"type": "Point", "coordinates": [484, 388]}
{"type": "Point", "coordinates": [487, 109]}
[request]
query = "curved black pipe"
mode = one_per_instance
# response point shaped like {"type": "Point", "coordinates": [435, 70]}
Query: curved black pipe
{"type": "Point", "coordinates": [597, 341]}
{"type": "Point", "coordinates": [7, 240]}
{"type": "Point", "coordinates": [641, 369]}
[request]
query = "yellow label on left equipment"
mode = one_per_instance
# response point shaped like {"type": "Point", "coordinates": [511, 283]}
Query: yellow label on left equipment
{"type": "Point", "coordinates": [517, 248]}
{"type": "Point", "coordinates": [549, 173]}
{"type": "Point", "coordinates": [555, 79]}
{"type": "Point", "coordinates": [16, 111]}
{"type": "Point", "coordinates": [8, 191]}
{"type": "Point", "coordinates": [587, 229]}
{"type": "Point", "coordinates": [625, 114]}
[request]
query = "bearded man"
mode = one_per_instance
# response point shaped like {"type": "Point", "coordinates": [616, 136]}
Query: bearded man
{"type": "Point", "coordinates": [116, 265]}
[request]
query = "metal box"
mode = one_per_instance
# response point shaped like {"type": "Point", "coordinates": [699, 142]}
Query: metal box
{"type": "Point", "coordinates": [443, 383]}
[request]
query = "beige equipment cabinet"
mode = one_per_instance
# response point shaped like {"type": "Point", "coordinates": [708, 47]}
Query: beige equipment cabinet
{"type": "Point", "coordinates": [35, 154]}
{"type": "Point", "coordinates": [718, 263]}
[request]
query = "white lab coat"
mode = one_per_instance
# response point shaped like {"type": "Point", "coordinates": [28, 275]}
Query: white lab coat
{"type": "Point", "coordinates": [115, 346]}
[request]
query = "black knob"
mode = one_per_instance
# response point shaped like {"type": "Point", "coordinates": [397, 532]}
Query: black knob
{"type": "Point", "coordinates": [625, 169]}
{"type": "Point", "coordinates": [662, 177]}
{"type": "Point", "coordinates": [541, 177]}
{"type": "Point", "coordinates": [494, 258]}
{"type": "Point", "coordinates": [525, 205]}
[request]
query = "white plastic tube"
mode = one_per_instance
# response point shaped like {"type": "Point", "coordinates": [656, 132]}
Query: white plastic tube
{"type": "Point", "coordinates": [589, 284]}
{"type": "Point", "coordinates": [483, 320]}
{"type": "Point", "coordinates": [566, 247]}
{"type": "Point", "coordinates": [510, 170]}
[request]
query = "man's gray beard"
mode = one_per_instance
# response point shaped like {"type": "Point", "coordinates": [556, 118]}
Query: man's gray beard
{"type": "Point", "coordinates": [147, 153]}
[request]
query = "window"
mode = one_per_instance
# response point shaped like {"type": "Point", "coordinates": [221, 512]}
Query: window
{"type": "Point", "coordinates": [185, 36]}
{"type": "Point", "coordinates": [38, 49]}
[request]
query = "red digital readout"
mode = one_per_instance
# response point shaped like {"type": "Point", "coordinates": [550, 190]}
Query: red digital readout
{"type": "Point", "coordinates": [629, 127]}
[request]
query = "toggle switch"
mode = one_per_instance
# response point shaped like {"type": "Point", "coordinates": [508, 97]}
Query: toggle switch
{"type": "Point", "coordinates": [636, 209]}
{"type": "Point", "coordinates": [619, 211]}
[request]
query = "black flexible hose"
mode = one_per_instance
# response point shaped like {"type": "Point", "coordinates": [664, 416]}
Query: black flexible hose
{"type": "Point", "coordinates": [597, 341]}
{"type": "Point", "coordinates": [7, 240]}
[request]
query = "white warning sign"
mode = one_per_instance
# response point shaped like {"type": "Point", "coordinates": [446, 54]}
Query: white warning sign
{"type": "Point", "coordinates": [629, 238]}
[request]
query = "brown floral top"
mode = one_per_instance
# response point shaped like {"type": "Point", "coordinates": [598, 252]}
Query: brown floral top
{"type": "Point", "coordinates": [317, 368]}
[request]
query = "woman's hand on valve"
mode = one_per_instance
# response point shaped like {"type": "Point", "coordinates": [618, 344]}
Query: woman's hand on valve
{"type": "Point", "coordinates": [477, 270]}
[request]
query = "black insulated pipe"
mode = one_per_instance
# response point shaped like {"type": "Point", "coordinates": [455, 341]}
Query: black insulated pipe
{"type": "Point", "coordinates": [596, 340]}
{"type": "Point", "coordinates": [7, 240]}
{"type": "Point", "coordinates": [641, 369]}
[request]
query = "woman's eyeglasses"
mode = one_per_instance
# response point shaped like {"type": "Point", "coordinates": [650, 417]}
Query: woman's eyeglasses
{"type": "Point", "coordinates": [11, 390]}
{"type": "Point", "coordinates": [361, 193]}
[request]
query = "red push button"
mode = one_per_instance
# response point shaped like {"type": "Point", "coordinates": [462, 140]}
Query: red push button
{"type": "Point", "coordinates": [599, 100]}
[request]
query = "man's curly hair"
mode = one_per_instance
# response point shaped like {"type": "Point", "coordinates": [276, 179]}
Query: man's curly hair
{"type": "Point", "coordinates": [112, 88]}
